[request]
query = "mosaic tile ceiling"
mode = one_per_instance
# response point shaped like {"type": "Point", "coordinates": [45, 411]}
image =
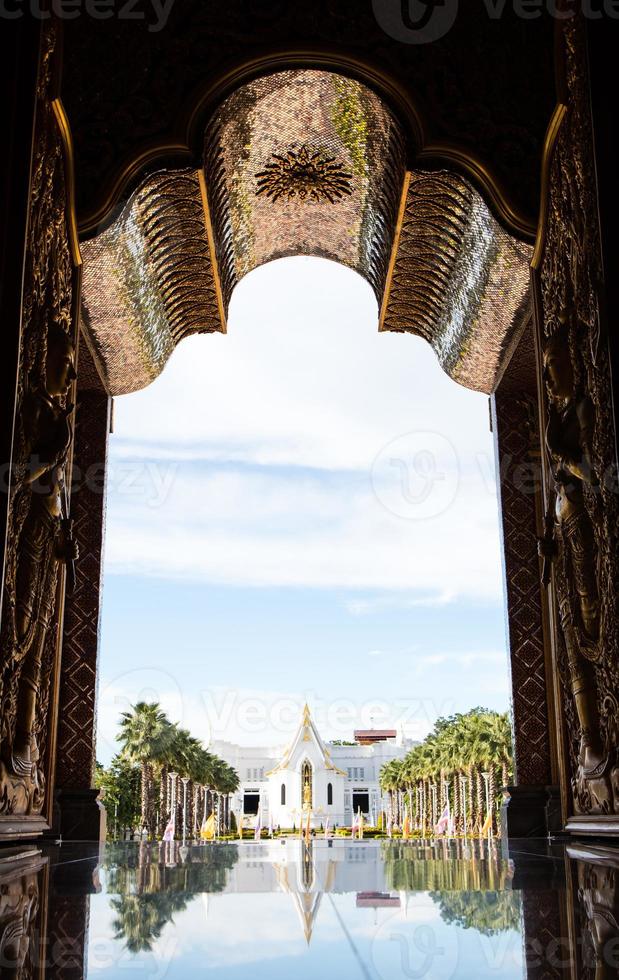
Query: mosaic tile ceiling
{"type": "Point", "coordinates": [149, 281]}
{"type": "Point", "coordinates": [458, 280]}
{"type": "Point", "coordinates": [304, 163]}
{"type": "Point", "coordinates": [264, 130]}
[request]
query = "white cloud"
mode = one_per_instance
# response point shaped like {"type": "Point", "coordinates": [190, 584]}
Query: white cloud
{"type": "Point", "coordinates": [361, 607]}
{"type": "Point", "coordinates": [300, 399]}
{"type": "Point", "coordinates": [302, 378]}
{"type": "Point", "coordinates": [260, 716]}
{"type": "Point", "coordinates": [269, 528]}
{"type": "Point", "coordinates": [463, 658]}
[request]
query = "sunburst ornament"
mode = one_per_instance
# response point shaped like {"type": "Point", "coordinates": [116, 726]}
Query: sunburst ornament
{"type": "Point", "coordinates": [306, 175]}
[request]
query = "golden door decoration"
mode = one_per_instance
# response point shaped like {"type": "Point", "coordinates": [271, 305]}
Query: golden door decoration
{"type": "Point", "coordinates": [580, 543]}
{"type": "Point", "coordinates": [40, 551]}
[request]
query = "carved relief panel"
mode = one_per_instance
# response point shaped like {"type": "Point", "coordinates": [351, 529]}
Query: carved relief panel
{"type": "Point", "coordinates": [23, 896]}
{"type": "Point", "coordinates": [40, 551]}
{"type": "Point", "coordinates": [580, 545]}
{"type": "Point", "coordinates": [594, 877]}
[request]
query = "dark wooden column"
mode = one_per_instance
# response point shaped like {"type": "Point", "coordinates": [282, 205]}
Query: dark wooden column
{"type": "Point", "coordinates": [79, 813]}
{"type": "Point", "coordinates": [516, 432]}
{"type": "Point", "coordinates": [19, 65]}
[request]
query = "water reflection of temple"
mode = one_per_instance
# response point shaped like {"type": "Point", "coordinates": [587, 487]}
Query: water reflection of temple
{"type": "Point", "coordinates": [566, 897]}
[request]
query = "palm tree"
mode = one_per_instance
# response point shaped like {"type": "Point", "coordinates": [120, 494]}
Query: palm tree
{"type": "Point", "coordinates": [390, 782]}
{"type": "Point", "coordinates": [144, 736]}
{"type": "Point", "coordinates": [228, 783]}
{"type": "Point", "coordinates": [456, 751]}
{"type": "Point", "coordinates": [183, 757]}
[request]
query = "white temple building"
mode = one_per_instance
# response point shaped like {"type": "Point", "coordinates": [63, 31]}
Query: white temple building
{"type": "Point", "coordinates": [331, 780]}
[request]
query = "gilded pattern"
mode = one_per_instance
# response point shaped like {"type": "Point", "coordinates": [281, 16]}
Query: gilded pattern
{"type": "Point", "coordinates": [39, 540]}
{"type": "Point", "coordinates": [306, 174]}
{"type": "Point", "coordinates": [582, 522]}
{"type": "Point", "coordinates": [22, 881]}
{"type": "Point", "coordinates": [150, 280]}
{"type": "Point", "coordinates": [457, 279]}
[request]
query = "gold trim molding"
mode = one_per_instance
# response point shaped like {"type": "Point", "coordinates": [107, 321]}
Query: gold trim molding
{"type": "Point", "coordinates": [67, 147]}
{"type": "Point", "coordinates": [394, 250]}
{"type": "Point", "coordinates": [550, 142]}
{"type": "Point", "coordinates": [208, 224]}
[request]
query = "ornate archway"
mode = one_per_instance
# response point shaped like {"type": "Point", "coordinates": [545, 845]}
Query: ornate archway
{"type": "Point", "coordinates": [305, 162]}
{"type": "Point", "coordinates": [167, 264]}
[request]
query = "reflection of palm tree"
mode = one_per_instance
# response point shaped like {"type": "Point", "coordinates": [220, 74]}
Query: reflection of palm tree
{"type": "Point", "coordinates": [488, 912]}
{"type": "Point", "coordinates": [140, 919]}
{"type": "Point", "coordinates": [407, 868]}
{"type": "Point", "coordinates": [149, 893]}
{"type": "Point", "coordinates": [207, 869]}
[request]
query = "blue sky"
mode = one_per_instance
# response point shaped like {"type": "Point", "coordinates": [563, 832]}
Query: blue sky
{"type": "Point", "coordinates": [302, 509]}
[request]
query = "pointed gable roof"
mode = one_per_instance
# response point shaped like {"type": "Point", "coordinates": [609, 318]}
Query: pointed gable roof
{"type": "Point", "coordinates": [298, 748]}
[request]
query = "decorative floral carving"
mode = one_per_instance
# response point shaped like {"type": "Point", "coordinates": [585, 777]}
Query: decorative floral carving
{"type": "Point", "coordinates": [306, 175]}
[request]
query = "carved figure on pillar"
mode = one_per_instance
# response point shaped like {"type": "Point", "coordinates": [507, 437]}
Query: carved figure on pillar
{"type": "Point", "coordinates": [570, 543]}
{"type": "Point", "coordinates": [38, 537]}
{"type": "Point", "coordinates": [44, 541]}
{"type": "Point", "coordinates": [45, 537]}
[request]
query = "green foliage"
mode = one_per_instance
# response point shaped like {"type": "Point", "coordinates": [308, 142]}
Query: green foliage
{"type": "Point", "coordinates": [152, 746]}
{"type": "Point", "coordinates": [490, 913]}
{"type": "Point", "coordinates": [148, 894]}
{"type": "Point", "coordinates": [120, 793]}
{"type": "Point", "coordinates": [464, 868]}
{"type": "Point", "coordinates": [464, 759]}
{"type": "Point", "coordinates": [477, 738]}
{"type": "Point", "coordinates": [350, 122]}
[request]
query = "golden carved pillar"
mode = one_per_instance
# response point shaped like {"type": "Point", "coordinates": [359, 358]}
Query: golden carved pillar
{"type": "Point", "coordinates": [580, 543]}
{"type": "Point", "coordinates": [39, 551]}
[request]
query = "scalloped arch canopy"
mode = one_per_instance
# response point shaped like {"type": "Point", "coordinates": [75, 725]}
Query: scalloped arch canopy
{"type": "Point", "coordinates": [304, 162]}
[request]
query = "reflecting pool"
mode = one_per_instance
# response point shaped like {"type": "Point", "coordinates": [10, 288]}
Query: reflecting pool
{"type": "Point", "coordinates": [283, 908]}
{"type": "Point", "coordinates": [342, 909]}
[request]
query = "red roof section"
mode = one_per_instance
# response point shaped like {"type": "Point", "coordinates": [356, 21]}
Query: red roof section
{"type": "Point", "coordinates": [374, 734]}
